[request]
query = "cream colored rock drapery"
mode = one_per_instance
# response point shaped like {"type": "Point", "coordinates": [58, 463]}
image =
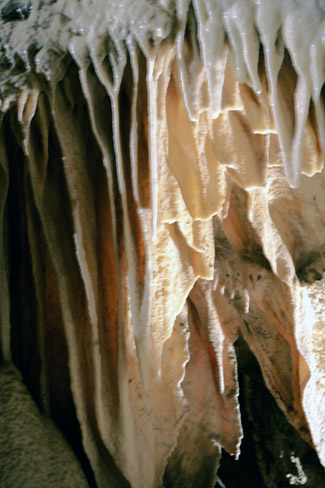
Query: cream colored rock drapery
{"type": "Point", "coordinates": [162, 193]}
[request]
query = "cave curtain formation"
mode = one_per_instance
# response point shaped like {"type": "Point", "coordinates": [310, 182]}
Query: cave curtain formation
{"type": "Point", "coordinates": [161, 195]}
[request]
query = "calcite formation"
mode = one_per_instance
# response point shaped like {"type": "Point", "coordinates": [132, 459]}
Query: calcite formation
{"type": "Point", "coordinates": [162, 194]}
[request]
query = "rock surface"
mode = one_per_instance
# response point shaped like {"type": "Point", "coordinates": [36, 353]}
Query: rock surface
{"type": "Point", "coordinates": [33, 451]}
{"type": "Point", "coordinates": [162, 194]}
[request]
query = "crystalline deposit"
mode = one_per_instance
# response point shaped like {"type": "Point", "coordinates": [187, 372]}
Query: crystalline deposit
{"type": "Point", "coordinates": [162, 192]}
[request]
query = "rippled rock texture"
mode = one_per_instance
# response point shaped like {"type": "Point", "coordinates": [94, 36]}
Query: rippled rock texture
{"type": "Point", "coordinates": [161, 196]}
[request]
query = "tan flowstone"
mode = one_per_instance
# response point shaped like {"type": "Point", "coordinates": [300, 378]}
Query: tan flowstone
{"type": "Point", "coordinates": [165, 163]}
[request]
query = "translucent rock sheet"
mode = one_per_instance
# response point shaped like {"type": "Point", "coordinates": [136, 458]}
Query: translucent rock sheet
{"type": "Point", "coordinates": [161, 169]}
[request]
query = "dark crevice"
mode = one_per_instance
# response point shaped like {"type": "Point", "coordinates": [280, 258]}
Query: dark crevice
{"type": "Point", "coordinates": [310, 266]}
{"type": "Point", "coordinates": [23, 315]}
{"type": "Point", "coordinates": [270, 446]}
{"type": "Point", "coordinates": [24, 311]}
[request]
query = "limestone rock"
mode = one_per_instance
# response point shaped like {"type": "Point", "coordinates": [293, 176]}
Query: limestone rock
{"type": "Point", "coordinates": [33, 451]}
{"type": "Point", "coordinates": [161, 195]}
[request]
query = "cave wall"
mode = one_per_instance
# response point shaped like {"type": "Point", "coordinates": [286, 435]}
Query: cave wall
{"type": "Point", "coordinates": [162, 196]}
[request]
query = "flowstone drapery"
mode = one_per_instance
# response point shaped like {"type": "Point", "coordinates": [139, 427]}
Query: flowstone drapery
{"type": "Point", "coordinates": [162, 195]}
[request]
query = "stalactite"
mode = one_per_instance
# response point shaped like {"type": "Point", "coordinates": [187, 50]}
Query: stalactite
{"type": "Point", "coordinates": [171, 174]}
